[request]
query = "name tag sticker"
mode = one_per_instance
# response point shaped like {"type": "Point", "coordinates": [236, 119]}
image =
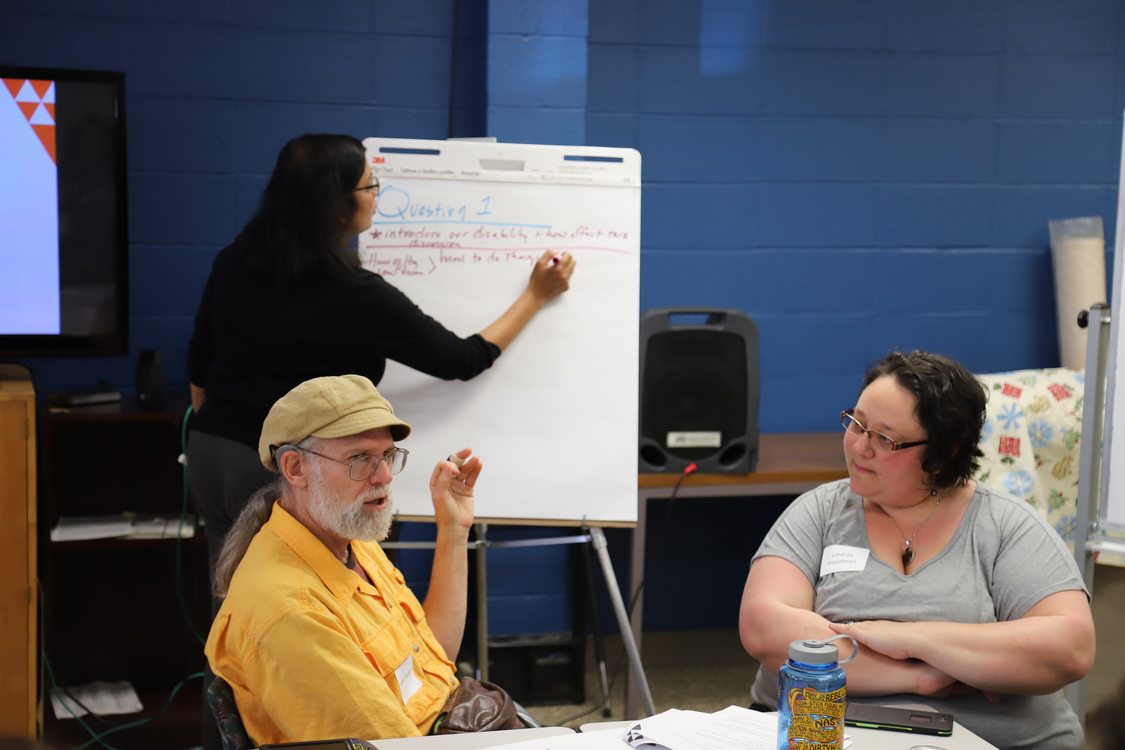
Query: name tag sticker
{"type": "Point", "coordinates": [408, 682]}
{"type": "Point", "coordinates": [840, 558]}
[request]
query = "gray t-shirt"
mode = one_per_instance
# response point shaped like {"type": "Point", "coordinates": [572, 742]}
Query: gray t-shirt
{"type": "Point", "coordinates": [1002, 560]}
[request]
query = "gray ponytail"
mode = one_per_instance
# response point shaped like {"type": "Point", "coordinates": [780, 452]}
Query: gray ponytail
{"type": "Point", "coordinates": [252, 517]}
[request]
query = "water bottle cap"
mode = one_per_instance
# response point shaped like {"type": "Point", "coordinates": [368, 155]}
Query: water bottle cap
{"type": "Point", "coordinates": [814, 652]}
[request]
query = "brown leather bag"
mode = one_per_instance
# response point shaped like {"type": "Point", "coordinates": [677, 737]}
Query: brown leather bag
{"type": "Point", "coordinates": [477, 706]}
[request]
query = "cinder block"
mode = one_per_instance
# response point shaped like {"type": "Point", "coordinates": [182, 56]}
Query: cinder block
{"type": "Point", "coordinates": [1058, 152]}
{"type": "Point", "coordinates": [539, 17]}
{"type": "Point", "coordinates": [1059, 86]}
{"type": "Point", "coordinates": [178, 208]}
{"type": "Point", "coordinates": [522, 125]}
{"type": "Point", "coordinates": [937, 150]}
{"type": "Point", "coordinates": [933, 216]}
{"type": "Point", "coordinates": [1081, 27]}
{"type": "Point", "coordinates": [672, 81]}
{"type": "Point", "coordinates": [613, 78]}
{"type": "Point", "coordinates": [174, 279]}
{"type": "Point", "coordinates": [825, 24]}
{"type": "Point", "coordinates": [536, 71]}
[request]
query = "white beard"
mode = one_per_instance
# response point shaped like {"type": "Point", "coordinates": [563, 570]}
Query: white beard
{"type": "Point", "coordinates": [349, 521]}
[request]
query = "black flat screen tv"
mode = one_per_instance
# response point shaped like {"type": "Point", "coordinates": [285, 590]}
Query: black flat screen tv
{"type": "Point", "coordinates": [63, 232]}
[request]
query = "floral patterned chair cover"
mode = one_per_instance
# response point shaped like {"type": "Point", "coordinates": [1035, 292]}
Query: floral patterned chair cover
{"type": "Point", "coordinates": [1031, 442]}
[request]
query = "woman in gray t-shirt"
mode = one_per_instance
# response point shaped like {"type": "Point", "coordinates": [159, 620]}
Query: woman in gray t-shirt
{"type": "Point", "coordinates": [956, 593]}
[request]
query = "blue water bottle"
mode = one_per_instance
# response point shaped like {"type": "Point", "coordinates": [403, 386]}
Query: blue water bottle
{"type": "Point", "coordinates": [811, 697]}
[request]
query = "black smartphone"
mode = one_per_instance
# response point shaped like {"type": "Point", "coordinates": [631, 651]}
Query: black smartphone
{"type": "Point", "coordinates": [351, 743]}
{"type": "Point", "coordinates": [867, 716]}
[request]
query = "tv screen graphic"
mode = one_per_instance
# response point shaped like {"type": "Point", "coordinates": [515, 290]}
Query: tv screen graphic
{"type": "Point", "coordinates": [62, 212]}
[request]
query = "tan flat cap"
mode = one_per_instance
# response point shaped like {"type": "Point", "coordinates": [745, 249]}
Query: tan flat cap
{"type": "Point", "coordinates": [330, 407]}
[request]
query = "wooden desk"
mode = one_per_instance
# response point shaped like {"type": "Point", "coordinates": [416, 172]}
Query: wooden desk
{"type": "Point", "coordinates": [788, 464]}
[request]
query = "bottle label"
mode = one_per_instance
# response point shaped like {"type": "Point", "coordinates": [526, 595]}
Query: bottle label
{"type": "Point", "coordinates": [818, 718]}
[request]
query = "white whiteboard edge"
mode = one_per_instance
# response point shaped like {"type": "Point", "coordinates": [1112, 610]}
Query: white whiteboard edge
{"type": "Point", "coordinates": [1115, 320]}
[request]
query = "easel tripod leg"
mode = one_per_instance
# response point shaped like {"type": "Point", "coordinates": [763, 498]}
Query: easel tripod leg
{"type": "Point", "coordinates": [481, 569]}
{"type": "Point", "coordinates": [599, 639]}
{"type": "Point", "coordinates": [597, 537]}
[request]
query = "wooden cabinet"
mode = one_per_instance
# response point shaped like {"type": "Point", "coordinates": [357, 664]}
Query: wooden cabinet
{"type": "Point", "coordinates": [121, 609]}
{"type": "Point", "coordinates": [18, 594]}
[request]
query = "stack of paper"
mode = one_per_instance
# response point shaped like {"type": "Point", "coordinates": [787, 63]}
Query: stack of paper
{"type": "Point", "coordinates": [102, 698]}
{"type": "Point", "coordinates": [124, 526]}
{"type": "Point", "coordinates": [733, 728]}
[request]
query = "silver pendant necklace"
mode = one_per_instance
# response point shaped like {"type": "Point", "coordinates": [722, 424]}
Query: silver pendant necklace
{"type": "Point", "coordinates": [908, 541]}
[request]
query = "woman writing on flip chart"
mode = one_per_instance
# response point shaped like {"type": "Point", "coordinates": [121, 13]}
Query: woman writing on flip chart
{"type": "Point", "coordinates": [288, 301]}
{"type": "Point", "coordinates": [960, 597]}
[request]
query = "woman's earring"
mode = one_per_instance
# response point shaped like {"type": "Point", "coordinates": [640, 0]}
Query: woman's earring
{"type": "Point", "coordinates": [933, 487]}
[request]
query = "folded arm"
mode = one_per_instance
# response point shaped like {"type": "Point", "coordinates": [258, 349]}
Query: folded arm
{"type": "Point", "coordinates": [777, 609]}
{"type": "Point", "coordinates": [1043, 651]}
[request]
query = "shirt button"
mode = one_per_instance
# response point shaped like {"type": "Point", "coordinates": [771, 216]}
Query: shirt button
{"type": "Point", "coordinates": [415, 648]}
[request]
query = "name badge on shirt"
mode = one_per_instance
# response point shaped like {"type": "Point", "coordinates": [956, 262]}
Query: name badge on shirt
{"type": "Point", "coordinates": [840, 558]}
{"type": "Point", "coordinates": [408, 682]}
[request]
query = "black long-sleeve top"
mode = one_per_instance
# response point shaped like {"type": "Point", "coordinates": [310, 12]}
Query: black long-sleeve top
{"type": "Point", "coordinates": [254, 341]}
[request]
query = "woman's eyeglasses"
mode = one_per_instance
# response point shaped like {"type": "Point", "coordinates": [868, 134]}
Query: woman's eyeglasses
{"type": "Point", "coordinates": [373, 188]}
{"type": "Point", "coordinates": [878, 439]}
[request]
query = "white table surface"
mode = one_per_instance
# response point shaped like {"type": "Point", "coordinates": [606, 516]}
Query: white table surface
{"type": "Point", "coordinates": [862, 739]}
{"type": "Point", "coordinates": [869, 739]}
{"type": "Point", "coordinates": [470, 741]}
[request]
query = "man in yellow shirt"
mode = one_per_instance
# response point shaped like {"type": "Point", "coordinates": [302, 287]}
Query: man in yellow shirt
{"type": "Point", "coordinates": [318, 635]}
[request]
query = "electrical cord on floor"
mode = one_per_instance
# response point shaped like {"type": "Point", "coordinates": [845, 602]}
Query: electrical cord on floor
{"type": "Point", "coordinates": [99, 738]}
{"type": "Point", "coordinates": [615, 673]}
{"type": "Point", "coordinates": [179, 529]}
{"type": "Point", "coordinates": [97, 735]}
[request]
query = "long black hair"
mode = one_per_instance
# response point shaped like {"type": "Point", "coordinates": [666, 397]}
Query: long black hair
{"type": "Point", "coordinates": [300, 227]}
{"type": "Point", "coordinates": [951, 409]}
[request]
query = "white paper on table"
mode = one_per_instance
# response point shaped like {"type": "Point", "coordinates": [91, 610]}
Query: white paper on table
{"type": "Point", "coordinates": [604, 739]}
{"type": "Point", "coordinates": [102, 698]}
{"type": "Point", "coordinates": [733, 728]}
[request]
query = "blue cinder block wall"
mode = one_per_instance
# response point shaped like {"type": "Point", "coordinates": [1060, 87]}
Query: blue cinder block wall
{"type": "Point", "coordinates": [862, 176]}
{"type": "Point", "coordinates": [856, 176]}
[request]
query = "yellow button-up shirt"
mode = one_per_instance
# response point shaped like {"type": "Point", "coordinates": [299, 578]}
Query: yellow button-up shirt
{"type": "Point", "coordinates": [312, 651]}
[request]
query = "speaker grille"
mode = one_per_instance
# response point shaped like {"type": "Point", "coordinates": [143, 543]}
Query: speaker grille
{"type": "Point", "coordinates": [695, 381]}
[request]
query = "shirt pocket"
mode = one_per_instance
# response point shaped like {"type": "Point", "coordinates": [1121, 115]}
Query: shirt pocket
{"type": "Point", "coordinates": [387, 649]}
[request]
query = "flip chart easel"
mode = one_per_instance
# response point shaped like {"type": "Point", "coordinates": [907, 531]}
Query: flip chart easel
{"type": "Point", "coordinates": [1100, 516]}
{"type": "Point", "coordinates": [458, 227]}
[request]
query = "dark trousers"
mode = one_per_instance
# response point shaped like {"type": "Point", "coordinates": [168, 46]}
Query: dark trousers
{"type": "Point", "coordinates": [222, 475]}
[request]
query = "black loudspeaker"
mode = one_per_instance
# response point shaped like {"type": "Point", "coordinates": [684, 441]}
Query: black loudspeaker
{"type": "Point", "coordinates": [150, 380]}
{"type": "Point", "coordinates": [700, 384]}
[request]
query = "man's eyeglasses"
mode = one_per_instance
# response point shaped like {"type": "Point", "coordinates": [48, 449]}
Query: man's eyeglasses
{"type": "Point", "coordinates": [362, 467]}
{"type": "Point", "coordinates": [878, 439]}
{"type": "Point", "coordinates": [373, 188]}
